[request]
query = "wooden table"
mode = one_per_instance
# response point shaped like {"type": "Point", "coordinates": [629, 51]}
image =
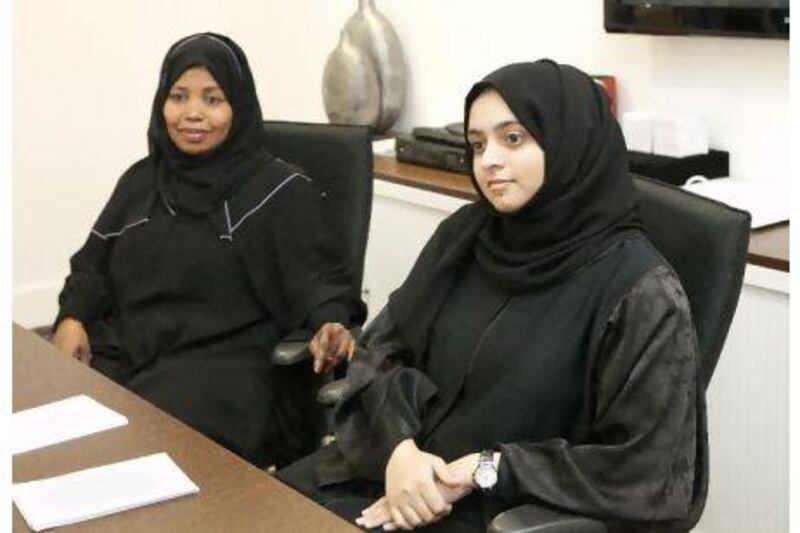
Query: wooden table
{"type": "Point", "coordinates": [234, 495]}
{"type": "Point", "coordinates": [769, 247]}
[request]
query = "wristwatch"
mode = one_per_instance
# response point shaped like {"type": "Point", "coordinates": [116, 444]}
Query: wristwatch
{"type": "Point", "coordinates": [485, 474]}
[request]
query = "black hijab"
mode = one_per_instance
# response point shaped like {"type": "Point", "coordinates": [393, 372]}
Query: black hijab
{"type": "Point", "coordinates": [585, 205]}
{"type": "Point", "coordinates": [200, 183]}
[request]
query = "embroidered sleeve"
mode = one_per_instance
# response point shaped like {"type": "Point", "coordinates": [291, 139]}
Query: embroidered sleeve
{"type": "Point", "coordinates": [640, 461]}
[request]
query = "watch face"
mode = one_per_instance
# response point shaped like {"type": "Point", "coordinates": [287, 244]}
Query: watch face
{"type": "Point", "coordinates": [485, 476]}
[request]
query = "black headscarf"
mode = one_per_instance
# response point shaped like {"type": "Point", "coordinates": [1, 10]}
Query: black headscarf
{"type": "Point", "coordinates": [585, 205]}
{"type": "Point", "coordinates": [200, 183]}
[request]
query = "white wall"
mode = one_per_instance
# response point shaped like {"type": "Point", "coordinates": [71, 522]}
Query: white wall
{"type": "Point", "coordinates": [739, 86]}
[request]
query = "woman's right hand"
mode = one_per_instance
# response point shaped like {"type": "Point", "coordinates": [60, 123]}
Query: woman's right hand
{"type": "Point", "coordinates": [71, 337]}
{"type": "Point", "coordinates": [330, 345]}
{"type": "Point", "coordinates": [411, 492]}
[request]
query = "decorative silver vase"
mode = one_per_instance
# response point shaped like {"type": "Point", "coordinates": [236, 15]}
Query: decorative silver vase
{"type": "Point", "coordinates": [365, 75]}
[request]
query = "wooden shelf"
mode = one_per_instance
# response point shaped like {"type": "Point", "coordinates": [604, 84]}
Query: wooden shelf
{"type": "Point", "coordinates": [429, 179]}
{"type": "Point", "coordinates": [769, 247]}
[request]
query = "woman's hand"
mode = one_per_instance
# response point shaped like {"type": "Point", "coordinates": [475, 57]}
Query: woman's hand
{"type": "Point", "coordinates": [70, 337]}
{"type": "Point", "coordinates": [462, 470]}
{"type": "Point", "coordinates": [412, 496]}
{"type": "Point", "coordinates": [379, 513]}
{"type": "Point", "coordinates": [330, 344]}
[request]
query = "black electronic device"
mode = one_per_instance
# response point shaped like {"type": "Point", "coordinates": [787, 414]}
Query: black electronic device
{"type": "Point", "coordinates": [740, 18]}
{"type": "Point", "coordinates": [443, 148]}
{"type": "Point", "coordinates": [676, 170]}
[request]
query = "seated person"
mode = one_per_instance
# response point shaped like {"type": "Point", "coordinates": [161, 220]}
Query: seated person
{"type": "Point", "coordinates": [209, 251]}
{"type": "Point", "coordinates": [540, 351]}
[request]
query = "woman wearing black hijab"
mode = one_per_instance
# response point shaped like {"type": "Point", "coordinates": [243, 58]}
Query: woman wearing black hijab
{"type": "Point", "coordinates": [208, 252]}
{"type": "Point", "coordinates": [540, 351]}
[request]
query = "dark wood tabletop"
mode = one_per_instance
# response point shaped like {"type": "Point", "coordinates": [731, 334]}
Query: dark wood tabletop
{"type": "Point", "coordinates": [769, 247]}
{"type": "Point", "coordinates": [234, 495]}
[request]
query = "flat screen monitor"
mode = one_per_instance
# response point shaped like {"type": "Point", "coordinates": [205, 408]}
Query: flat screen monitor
{"type": "Point", "coordinates": [740, 18]}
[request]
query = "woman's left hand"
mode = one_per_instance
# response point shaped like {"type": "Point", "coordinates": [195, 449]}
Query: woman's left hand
{"type": "Point", "coordinates": [379, 514]}
{"type": "Point", "coordinates": [331, 343]}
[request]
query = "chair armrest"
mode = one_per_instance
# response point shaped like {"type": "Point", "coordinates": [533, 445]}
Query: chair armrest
{"type": "Point", "coordinates": [293, 348]}
{"type": "Point", "coordinates": [290, 352]}
{"type": "Point", "coordinates": [330, 393]}
{"type": "Point", "coordinates": [533, 519]}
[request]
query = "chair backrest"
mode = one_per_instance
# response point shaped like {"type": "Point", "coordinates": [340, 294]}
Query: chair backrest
{"type": "Point", "coordinates": [706, 243]}
{"type": "Point", "coordinates": [341, 157]}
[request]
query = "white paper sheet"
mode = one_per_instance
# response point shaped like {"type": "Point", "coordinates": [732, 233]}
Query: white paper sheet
{"type": "Point", "coordinates": [60, 421]}
{"type": "Point", "coordinates": [100, 491]}
{"type": "Point", "coordinates": [766, 203]}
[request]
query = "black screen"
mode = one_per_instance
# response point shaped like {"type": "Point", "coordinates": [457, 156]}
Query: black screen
{"type": "Point", "coordinates": [745, 18]}
{"type": "Point", "coordinates": [758, 4]}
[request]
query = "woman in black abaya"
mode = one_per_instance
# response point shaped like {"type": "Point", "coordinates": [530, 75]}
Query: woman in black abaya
{"type": "Point", "coordinates": [208, 252]}
{"type": "Point", "coordinates": [540, 351]}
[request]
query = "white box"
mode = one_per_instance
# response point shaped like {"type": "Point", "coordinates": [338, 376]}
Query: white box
{"type": "Point", "coordinates": [679, 136]}
{"type": "Point", "coordinates": [637, 127]}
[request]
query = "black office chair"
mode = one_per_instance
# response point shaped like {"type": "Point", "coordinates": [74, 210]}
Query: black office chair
{"type": "Point", "coordinates": [341, 156]}
{"type": "Point", "coordinates": [706, 243]}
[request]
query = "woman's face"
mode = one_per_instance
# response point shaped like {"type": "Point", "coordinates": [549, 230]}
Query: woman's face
{"type": "Point", "coordinates": [196, 112]}
{"type": "Point", "coordinates": [507, 161]}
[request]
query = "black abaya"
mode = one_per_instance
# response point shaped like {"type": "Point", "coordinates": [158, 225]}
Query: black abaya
{"type": "Point", "coordinates": [199, 264]}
